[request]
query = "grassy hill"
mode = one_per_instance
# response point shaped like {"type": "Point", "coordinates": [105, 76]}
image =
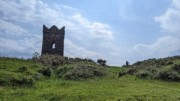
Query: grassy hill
{"type": "Point", "coordinates": [53, 78]}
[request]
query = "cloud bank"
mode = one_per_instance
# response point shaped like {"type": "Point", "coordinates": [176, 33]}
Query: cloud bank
{"type": "Point", "coordinates": [167, 45]}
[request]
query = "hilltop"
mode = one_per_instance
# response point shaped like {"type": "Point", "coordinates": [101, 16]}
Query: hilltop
{"type": "Point", "coordinates": [55, 78]}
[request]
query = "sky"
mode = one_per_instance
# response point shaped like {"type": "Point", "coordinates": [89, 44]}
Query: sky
{"type": "Point", "coordinates": [114, 30]}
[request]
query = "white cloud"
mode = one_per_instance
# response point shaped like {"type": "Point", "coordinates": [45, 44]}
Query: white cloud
{"type": "Point", "coordinates": [176, 3]}
{"type": "Point", "coordinates": [78, 51]}
{"type": "Point", "coordinates": [26, 47]}
{"type": "Point", "coordinates": [11, 28]}
{"type": "Point", "coordinates": [167, 45]}
{"type": "Point", "coordinates": [170, 21]}
{"type": "Point", "coordinates": [162, 47]}
{"type": "Point", "coordinates": [95, 29]}
{"type": "Point", "coordinates": [7, 45]}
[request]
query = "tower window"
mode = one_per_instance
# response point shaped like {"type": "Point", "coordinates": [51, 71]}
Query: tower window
{"type": "Point", "coordinates": [53, 46]}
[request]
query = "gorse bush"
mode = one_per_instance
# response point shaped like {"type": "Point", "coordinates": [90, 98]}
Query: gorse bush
{"type": "Point", "coordinates": [37, 76]}
{"type": "Point", "coordinates": [176, 67]}
{"type": "Point", "coordinates": [163, 69]}
{"type": "Point", "coordinates": [169, 76]}
{"type": "Point", "coordinates": [56, 60]}
{"type": "Point", "coordinates": [16, 80]}
{"type": "Point", "coordinates": [51, 60]}
{"type": "Point", "coordinates": [61, 71]}
{"type": "Point", "coordinates": [22, 81]}
{"type": "Point", "coordinates": [80, 72]}
{"type": "Point", "coordinates": [47, 72]}
{"type": "Point", "coordinates": [23, 69]}
{"type": "Point", "coordinates": [84, 72]}
{"type": "Point", "coordinates": [144, 74]}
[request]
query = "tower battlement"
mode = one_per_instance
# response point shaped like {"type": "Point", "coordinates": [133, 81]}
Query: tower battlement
{"type": "Point", "coordinates": [53, 40]}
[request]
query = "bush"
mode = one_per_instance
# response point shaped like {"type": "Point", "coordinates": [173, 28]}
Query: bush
{"type": "Point", "coordinates": [169, 63]}
{"type": "Point", "coordinates": [144, 74]}
{"type": "Point", "coordinates": [101, 62]}
{"type": "Point", "coordinates": [132, 70]}
{"type": "Point", "coordinates": [23, 81]}
{"type": "Point", "coordinates": [47, 72]}
{"type": "Point", "coordinates": [122, 73]}
{"type": "Point", "coordinates": [80, 72]}
{"type": "Point", "coordinates": [84, 72]}
{"type": "Point", "coordinates": [37, 76]}
{"type": "Point", "coordinates": [61, 71]}
{"type": "Point", "coordinates": [56, 60]}
{"type": "Point", "coordinates": [51, 60]}
{"type": "Point", "coordinates": [176, 67]}
{"type": "Point", "coordinates": [22, 69]}
{"type": "Point", "coordinates": [163, 69]}
{"type": "Point", "coordinates": [16, 80]}
{"type": "Point", "coordinates": [169, 76]}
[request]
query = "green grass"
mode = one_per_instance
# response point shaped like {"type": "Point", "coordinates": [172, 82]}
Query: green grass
{"type": "Point", "coordinates": [124, 88]}
{"type": "Point", "coordinates": [108, 88]}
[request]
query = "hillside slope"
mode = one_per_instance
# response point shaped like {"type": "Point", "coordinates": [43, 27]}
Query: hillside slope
{"type": "Point", "coordinates": [29, 80]}
{"type": "Point", "coordinates": [167, 69]}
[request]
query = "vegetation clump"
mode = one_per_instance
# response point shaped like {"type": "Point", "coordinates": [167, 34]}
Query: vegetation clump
{"type": "Point", "coordinates": [16, 80]}
{"type": "Point", "coordinates": [163, 69]}
{"type": "Point", "coordinates": [47, 72]}
{"type": "Point", "coordinates": [23, 69]}
{"type": "Point", "coordinates": [101, 62]}
{"type": "Point", "coordinates": [22, 81]}
{"type": "Point", "coordinates": [81, 72]}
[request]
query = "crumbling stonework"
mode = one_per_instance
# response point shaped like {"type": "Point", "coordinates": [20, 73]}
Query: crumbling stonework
{"type": "Point", "coordinates": [53, 40]}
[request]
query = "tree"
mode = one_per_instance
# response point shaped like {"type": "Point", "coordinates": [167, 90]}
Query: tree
{"type": "Point", "coordinates": [101, 62]}
{"type": "Point", "coordinates": [35, 55]}
{"type": "Point", "coordinates": [127, 63]}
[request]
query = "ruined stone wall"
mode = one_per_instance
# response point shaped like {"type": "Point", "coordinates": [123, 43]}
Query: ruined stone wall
{"type": "Point", "coordinates": [53, 40]}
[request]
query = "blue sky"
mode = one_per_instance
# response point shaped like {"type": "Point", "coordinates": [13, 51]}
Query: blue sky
{"type": "Point", "coordinates": [116, 30]}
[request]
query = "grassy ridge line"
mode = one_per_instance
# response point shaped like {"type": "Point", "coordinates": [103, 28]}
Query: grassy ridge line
{"type": "Point", "coordinates": [109, 88]}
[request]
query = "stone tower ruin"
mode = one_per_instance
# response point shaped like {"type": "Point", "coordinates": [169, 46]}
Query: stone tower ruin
{"type": "Point", "coordinates": [53, 40]}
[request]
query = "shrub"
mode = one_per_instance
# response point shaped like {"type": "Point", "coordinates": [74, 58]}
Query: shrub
{"type": "Point", "coordinates": [169, 76]}
{"type": "Point", "coordinates": [174, 76]}
{"type": "Point", "coordinates": [16, 80]}
{"type": "Point", "coordinates": [47, 72]}
{"type": "Point", "coordinates": [176, 67]}
{"type": "Point", "coordinates": [51, 60]}
{"type": "Point", "coordinates": [62, 70]}
{"type": "Point", "coordinates": [127, 63]}
{"type": "Point", "coordinates": [35, 56]}
{"type": "Point", "coordinates": [155, 69]}
{"type": "Point", "coordinates": [169, 63]}
{"type": "Point", "coordinates": [80, 72]}
{"type": "Point", "coordinates": [23, 81]}
{"type": "Point", "coordinates": [101, 62]}
{"type": "Point", "coordinates": [37, 76]}
{"type": "Point", "coordinates": [132, 70]}
{"type": "Point", "coordinates": [122, 73]}
{"type": "Point", "coordinates": [22, 69]}
{"type": "Point", "coordinates": [84, 72]}
{"type": "Point", "coordinates": [144, 74]}
{"type": "Point", "coordinates": [56, 60]}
